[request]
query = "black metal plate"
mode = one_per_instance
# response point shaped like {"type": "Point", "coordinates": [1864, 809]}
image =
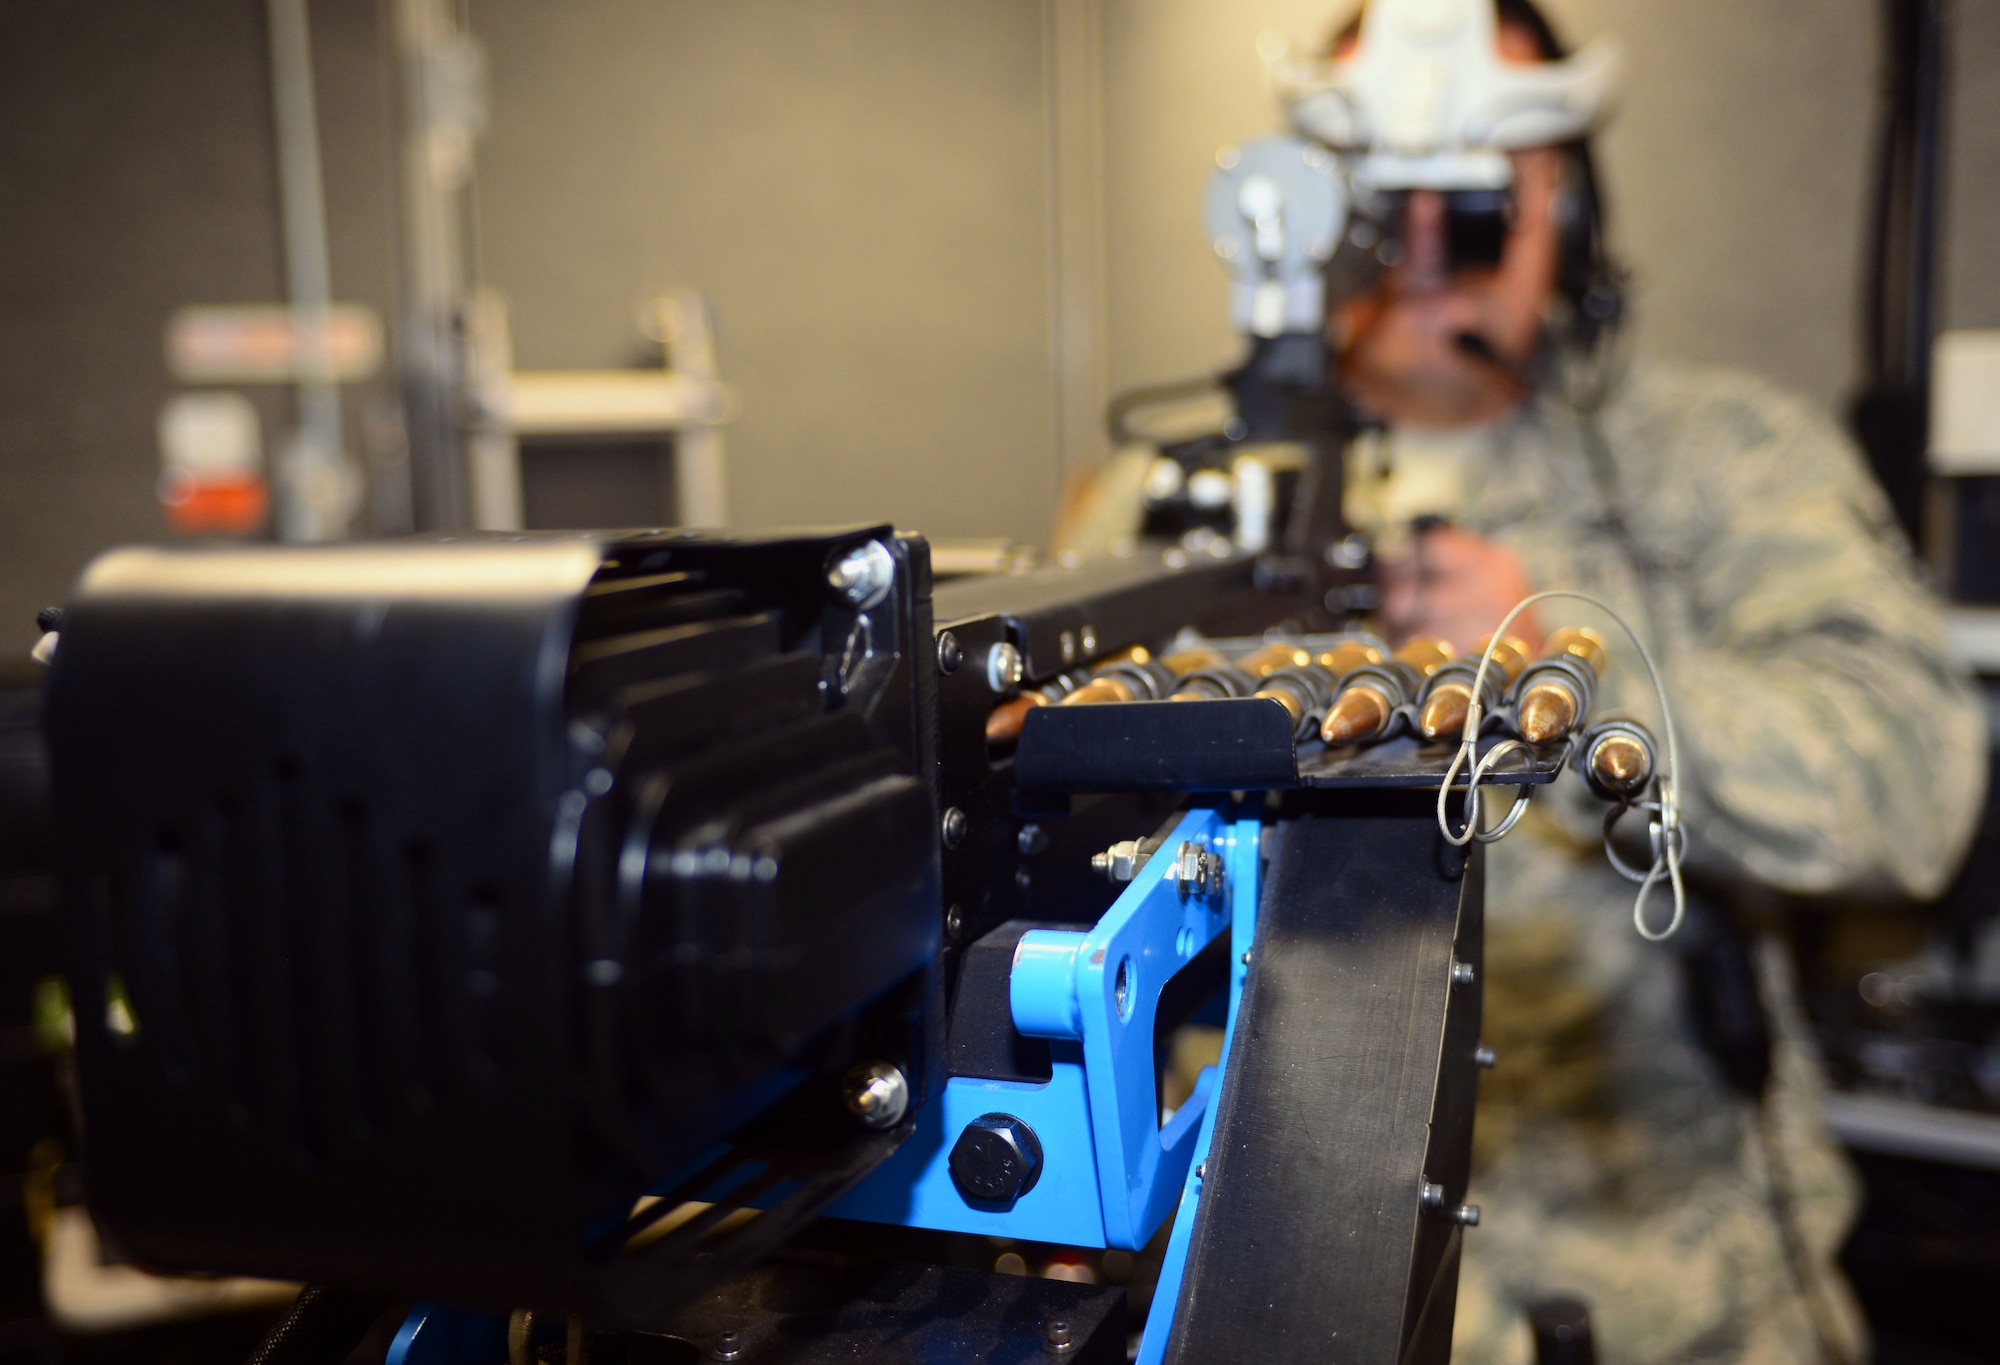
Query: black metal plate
{"type": "Point", "coordinates": [1406, 762]}
{"type": "Point", "coordinates": [799, 1312]}
{"type": "Point", "coordinates": [1238, 744]}
{"type": "Point", "coordinates": [1350, 1082]}
{"type": "Point", "coordinates": [1062, 617]}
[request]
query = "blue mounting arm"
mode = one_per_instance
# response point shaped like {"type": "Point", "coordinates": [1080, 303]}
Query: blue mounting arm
{"type": "Point", "coordinates": [1102, 989]}
{"type": "Point", "coordinates": [1242, 935]}
{"type": "Point", "coordinates": [1110, 1171]}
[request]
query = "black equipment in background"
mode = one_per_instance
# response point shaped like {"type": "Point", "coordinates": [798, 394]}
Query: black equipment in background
{"type": "Point", "coordinates": [1890, 413]}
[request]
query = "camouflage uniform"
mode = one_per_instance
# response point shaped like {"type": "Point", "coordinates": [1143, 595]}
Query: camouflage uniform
{"type": "Point", "coordinates": [1828, 747]}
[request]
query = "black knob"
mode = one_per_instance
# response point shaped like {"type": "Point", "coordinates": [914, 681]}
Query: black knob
{"type": "Point", "coordinates": [996, 1160]}
{"type": "Point", "coordinates": [1562, 1331]}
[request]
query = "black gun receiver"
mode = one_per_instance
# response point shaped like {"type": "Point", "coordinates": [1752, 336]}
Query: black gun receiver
{"type": "Point", "coordinates": [575, 922]}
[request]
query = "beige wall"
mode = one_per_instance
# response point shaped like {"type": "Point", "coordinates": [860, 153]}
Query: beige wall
{"type": "Point", "coordinates": [860, 187]}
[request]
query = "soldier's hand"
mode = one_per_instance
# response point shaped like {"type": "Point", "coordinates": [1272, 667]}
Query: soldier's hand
{"type": "Point", "coordinates": [1453, 583]}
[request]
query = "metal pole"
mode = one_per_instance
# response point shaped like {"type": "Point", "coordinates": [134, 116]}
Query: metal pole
{"type": "Point", "coordinates": [316, 486]}
{"type": "Point", "coordinates": [440, 116]}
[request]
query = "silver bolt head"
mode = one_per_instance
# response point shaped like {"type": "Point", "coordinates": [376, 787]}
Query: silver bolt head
{"type": "Point", "coordinates": [878, 1094]}
{"type": "Point", "coordinates": [1004, 667]}
{"type": "Point", "coordinates": [954, 826]}
{"type": "Point", "coordinates": [1430, 1195]}
{"type": "Point", "coordinates": [1462, 974]}
{"type": "Point", "coordinates": [1119, 862]}
{"type": "Point", "coordinates": [1483, 1057]}
{"type": "Point", "coordinates": [863, 576]}
{"type": "Point", "coordinates": [1468, 1214]}
{"type": "Point", "coordinates": [950, 654]}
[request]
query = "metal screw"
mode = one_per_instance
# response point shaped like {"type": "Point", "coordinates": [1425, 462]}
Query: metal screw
{"type": "Point", "coordinates": [1430, 1196]}
{"type": "Point", "coordinates": [1468, 1214]}
{"type": "Point", "coordinates": [1060, 1340]}
{"type": "Point", "coordinates": [862, 577]}
{"type": "Point", "coordinates": [953, 826]}
{"type": "Point", "coordinates": [877, 1094]}
{"type": "Point", "coordinates": [1004, 667]}
{"type": "Point", "coordinates": [1089, 639]}
{"type": "Point", "coordinates": [1197, 869]}
{"type": "Point", "coordinates": [954, 923]}
{"type": "Point", "coordinates": [1483, 1057]}
{"type": "Point", "coordinates": [1201, 1171]}
{"type": "Point", "coordinates": [950, 653]}
{"type": "Point", "coordinates": [1462, 974]}
{"type": "Point", "coordinates": [728, 1346]}
{"type": "Point", "coordinates": [1032, 840]}
{"type": "Point", "coordinates": [1067, 641]}
{"type": "Point", "coordinates": [1246, 957]}
{"type": "Point", "coordinates": [1022, 878]}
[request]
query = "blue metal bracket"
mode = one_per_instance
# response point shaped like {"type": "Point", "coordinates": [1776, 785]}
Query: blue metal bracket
{"type": "Point", "coordinates": [1110, 1172]}
{"type": "Point", "coordinates": [436, 1335]}
{"type": "Point", "coordinates": [1102, 988]}
{"type": "Point", "coordinates": [1243, 894]}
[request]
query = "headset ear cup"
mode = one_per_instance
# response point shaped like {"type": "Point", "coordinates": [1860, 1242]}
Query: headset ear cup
{"type": "Point", "coordinates": [1589, 280]}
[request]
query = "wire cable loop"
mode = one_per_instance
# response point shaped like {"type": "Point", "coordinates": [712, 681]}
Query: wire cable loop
{"type": "Point", "coordinates": [1668, 835]}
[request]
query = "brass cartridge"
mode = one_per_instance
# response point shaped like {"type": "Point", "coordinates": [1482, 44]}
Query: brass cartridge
{"type": "Point", "coordinates": [1186, 661]}
{"type": "Point", "coordinates": [1131, 680]}
{"type": "Point", "coordinates": [1361, 712]}
{"type": "Point", "coordinates": [1274, 656]}
{"type": "Point", "coordinates": [1554, 697]}
{"type": "Point", "coordinates": [1303, 691]}
{"type": "Point", "coordinates": [1449, 696]}
{"type": "Point", "coordinates": [1348, 655]}
{"type": "Point", "coordinates": [1368, 698]}
{"type": "Point", "coordinates": [1425, 653]}
{"type": "Point", "coordinates": [1213, 683]}
{"type": "Point", "coordinates": [1103, 688]}
{"type": "Point", "coordinates": [1580, 641]}
{"type": "Point", "coordinates": [1004, 722]}
{"type": "Point", "coordinates": [1619, 758]}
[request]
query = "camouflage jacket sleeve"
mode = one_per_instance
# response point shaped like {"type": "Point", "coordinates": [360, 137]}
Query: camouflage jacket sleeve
{"type": "Point", "coordinates": [1829, 745]}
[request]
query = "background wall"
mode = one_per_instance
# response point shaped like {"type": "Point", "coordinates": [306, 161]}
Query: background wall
{"type": "Point", "coordinates": [861, 188]}
{"type": "Point", "coordinates": [864, 188]}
